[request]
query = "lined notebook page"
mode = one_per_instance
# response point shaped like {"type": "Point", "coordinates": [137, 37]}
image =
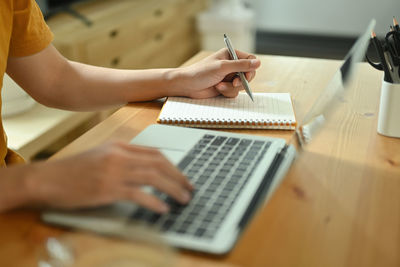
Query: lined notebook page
{"type": "Point", "coordinates": [269, 110]}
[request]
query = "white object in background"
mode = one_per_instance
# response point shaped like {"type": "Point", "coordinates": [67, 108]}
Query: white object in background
{"type": "Point", "coordinates": [14, 99]}
{"type": "Point", "coordinates": [389, 110]}
{"type": "Point", "coordinates": [231, 17]}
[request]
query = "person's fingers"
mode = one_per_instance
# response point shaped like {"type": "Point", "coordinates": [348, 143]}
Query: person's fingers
{"type": "Point", "coordinates": [136, 148]}
{"type": "Point", "coordinates": [152, 158]}
{"type": "Point", "coordinates": [150, 167]}
{"type": "Point", "coordinates": [250, 75]}
{"type": "Point", "coordinates": [207, 93]}
{"type": "Point", "coordinates": [247, 63]}
{"type": "Point", "coordinates": [241, 65]}
{"type": "Point", "coordinates": [237, 82]}
{"type": "Point", "coordinates": [244, 55]}
{"type": "Point", "coordinates": [228, 90]}
{"type": "Point", "coordinates": [230, 77]}
{"type": "Point", "coordinates": [223, 53]}
{"type": "Point", "coordinates": [161, 182]}
{"type": "Point", "coordinates": [146, 200]}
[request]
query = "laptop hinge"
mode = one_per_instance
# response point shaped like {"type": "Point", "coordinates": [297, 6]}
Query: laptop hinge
{"type": "Point", "coordinates": [264, 187]}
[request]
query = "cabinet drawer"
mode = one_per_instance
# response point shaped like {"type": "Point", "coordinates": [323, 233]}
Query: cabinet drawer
{"type": "Point", "coordinates": [119, 28]}
{"type": "Point", "coordinates": [177, 43]}
{"type": "Point", "coordinates": [151, 26]}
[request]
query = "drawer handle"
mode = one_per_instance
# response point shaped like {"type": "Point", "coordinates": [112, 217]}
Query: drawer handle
{"type": "Point", "coordinates": [113, 33]}
{"type": "Point", "coordinates": [115, 61]}
{"type": "Point", "coordinates": [158, 37]}
{"type": "Point", "coordinates": [158, 12]}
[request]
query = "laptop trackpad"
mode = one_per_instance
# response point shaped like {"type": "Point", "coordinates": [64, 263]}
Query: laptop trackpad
{"type": "Point", "coordinates": [174, 156]}
{"type": "Point", "coordinates": [172, 141]}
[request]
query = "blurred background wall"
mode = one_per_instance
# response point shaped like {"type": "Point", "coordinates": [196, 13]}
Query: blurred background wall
{"type": "Point", "coordinates": [312, 28]}
{"type": "Point", "coordinates": [323, 17]}
{"type": "Point", "coordinates": [317, 28]}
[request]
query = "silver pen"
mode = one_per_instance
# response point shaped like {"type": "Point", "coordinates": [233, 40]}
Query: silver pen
{"type": "Point", "coordinates": [241, 74]}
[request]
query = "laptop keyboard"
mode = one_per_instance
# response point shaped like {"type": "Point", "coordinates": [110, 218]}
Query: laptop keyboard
{"type": "Point", "coordinates": [219, 167]}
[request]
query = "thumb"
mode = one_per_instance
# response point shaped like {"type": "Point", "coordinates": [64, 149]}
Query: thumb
{"type": "Point", "coordinates": [241, 65]}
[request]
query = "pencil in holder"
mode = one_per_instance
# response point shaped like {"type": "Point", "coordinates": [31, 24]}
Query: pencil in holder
{"type": "Point", "coordinates": [389, 110]}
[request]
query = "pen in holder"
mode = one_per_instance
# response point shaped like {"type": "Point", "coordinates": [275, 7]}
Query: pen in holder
{"type": "Point", "coordinates": [389, 110]}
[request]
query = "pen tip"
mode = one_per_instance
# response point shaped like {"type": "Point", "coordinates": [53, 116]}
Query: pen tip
{"type": "Point", "coordinates": [224, 35]}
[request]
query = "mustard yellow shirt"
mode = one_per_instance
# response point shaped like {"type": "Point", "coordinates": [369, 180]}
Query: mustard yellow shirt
{"type": "Point", "coordinates": [23, 32]}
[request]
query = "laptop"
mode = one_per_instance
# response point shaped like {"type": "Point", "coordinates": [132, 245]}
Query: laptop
{"type": "Point", "coordinates": [233, 175]}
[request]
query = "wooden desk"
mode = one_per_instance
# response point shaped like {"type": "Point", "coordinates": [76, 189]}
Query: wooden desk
{"type": "Point", "coordinates": [338, 206]}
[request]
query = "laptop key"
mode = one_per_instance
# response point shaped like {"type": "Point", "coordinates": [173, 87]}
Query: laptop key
{"type": "Point", "coordinates": [208, 136]}
{"type": "Point", "coordinates": [167, 224]}
{"type": "Point", "coordinates": [260, 143]}
{"type": "Point", "coordinates": [185, 162]}
{"type": "Point", "coordinates": [226, 148]}
{"type": "Point", "coordinates": [211, 149]}
{"type": "Point", "coordinates": [207, 173]}
{"type": "Point", "coordinates": [181, 230]}
{"type": "Point", "coordinates": [207, 154]}
{"type": "Point", "coordinates": [234, 158]}
{"type": "Point", "coordinates": [218, 141]}
{"type": "Point", "coordinates": [232, 141]}
{"type": "Point", "coordinates": [154, 218]}
{"type": "Point", "coordinates": [139, 214]}
{"type": "Point", "coordinates": [202, 179]}
{"type": "Point", "coordinates": [200, 146]}
{"type": "Point", "coordinates": [194, 152]}
{"type": "Point", "coordinates": [245, 142]}
{"type": "Point", "coordinates": [200, 232]}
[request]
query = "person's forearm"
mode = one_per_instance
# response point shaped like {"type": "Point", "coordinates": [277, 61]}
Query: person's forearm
{"type": "Point", "coordinates": [87, 87]}
{"type": "Point", "coordinates": [56, 82]}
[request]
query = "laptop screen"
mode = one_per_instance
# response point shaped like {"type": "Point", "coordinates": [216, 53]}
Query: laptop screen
{"type": "Point", "coordinates": [334, 91]}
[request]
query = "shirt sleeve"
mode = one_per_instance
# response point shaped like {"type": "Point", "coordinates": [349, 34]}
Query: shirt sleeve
{"type": "Point", "coordinates": [30, 33]}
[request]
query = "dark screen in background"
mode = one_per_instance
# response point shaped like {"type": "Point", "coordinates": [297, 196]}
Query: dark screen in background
{"type": "Point", "coordinates": [51, 7]}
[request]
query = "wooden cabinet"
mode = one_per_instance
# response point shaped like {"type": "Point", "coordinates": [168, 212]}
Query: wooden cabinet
{"type": "Point", "coordinates": [130, 33]}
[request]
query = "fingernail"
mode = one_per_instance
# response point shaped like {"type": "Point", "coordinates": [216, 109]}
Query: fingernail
{"type": "Point", "coordinates": [254, 62]}
{"type": "Point", "coordinates": [191, 186]}
{"type": "Point", "coordinates": [186, 196]}
{"type": "Point", "coordinates": [164, 208]}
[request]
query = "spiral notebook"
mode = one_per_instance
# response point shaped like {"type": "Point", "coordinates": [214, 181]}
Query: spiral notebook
{"type": "Point", "coordinates": [268, 111]}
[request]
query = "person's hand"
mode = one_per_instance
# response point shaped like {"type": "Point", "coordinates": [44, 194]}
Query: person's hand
{"type": "Point", "coordinates": [216, 74]}
{"type": "Point", "coordinates": [112, 172]}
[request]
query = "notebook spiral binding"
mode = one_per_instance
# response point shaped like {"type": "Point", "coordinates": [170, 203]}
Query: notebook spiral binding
{"type": "Point", "coordinates": [230, 123]}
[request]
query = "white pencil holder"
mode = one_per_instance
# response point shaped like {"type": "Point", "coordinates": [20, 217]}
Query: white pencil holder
{"type": "Point", "coordinates": [389, 110]}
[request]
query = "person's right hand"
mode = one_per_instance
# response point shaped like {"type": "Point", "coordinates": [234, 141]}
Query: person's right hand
{"type": "Point", "coordinates": [215, 75]}
{"type": "Point", "coordinates": [112, 172]}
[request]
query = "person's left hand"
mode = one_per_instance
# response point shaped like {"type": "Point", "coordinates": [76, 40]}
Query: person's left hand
{"type": "Point", "coordinates": [216, 74]}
